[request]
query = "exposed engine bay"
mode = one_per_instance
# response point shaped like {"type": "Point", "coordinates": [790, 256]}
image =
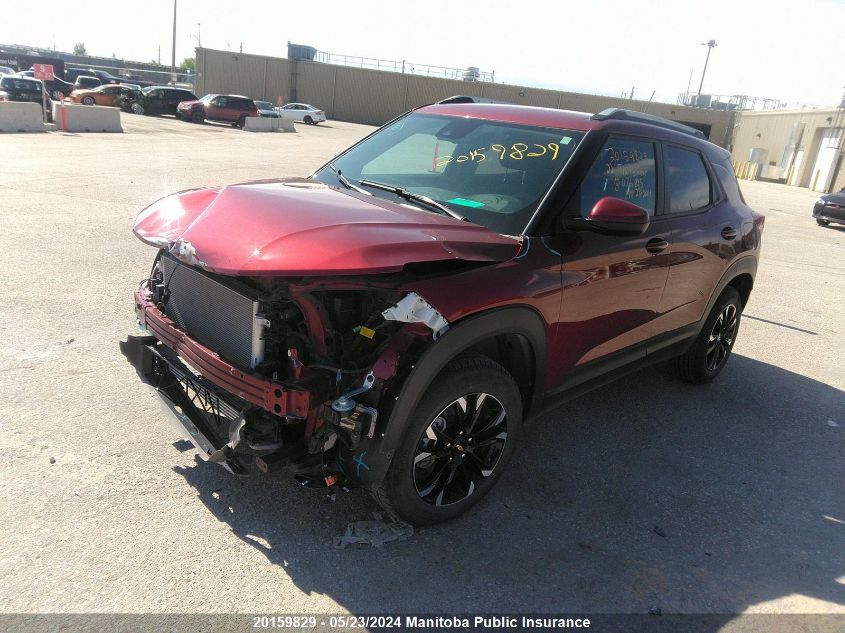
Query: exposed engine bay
{"type": "Point", "coordinates": [329, 349]}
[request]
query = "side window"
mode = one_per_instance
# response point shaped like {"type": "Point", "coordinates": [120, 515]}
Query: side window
{"type": "Point", "coordinates": [687, 181]}
{"type": "Point", "coordinates": [625, 169]}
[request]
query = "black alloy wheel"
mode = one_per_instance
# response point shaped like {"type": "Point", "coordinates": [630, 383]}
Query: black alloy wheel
{"type": "Point", "coordinates": [460, 449]}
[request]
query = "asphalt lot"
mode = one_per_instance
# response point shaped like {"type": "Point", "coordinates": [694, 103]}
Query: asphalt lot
{"type": "Point", "coordinates": [648, 494]}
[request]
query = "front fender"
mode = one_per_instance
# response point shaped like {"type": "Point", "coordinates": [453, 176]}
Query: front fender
{"type": "Point", "coordinates": [369, 463]}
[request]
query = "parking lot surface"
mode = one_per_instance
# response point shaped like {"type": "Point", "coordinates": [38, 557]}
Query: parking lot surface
{"type": "Point", "coordinates": [649, 493]}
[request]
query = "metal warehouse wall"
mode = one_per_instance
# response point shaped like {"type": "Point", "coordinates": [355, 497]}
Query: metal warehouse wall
{"type": "Point", "coordinates": [770, 130]}
{"type": "Point", "coordinates": [374, 97]}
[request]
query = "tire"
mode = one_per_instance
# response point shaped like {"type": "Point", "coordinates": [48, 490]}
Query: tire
{"type": "Point", "coordinates": [58, 95]}
{"type": "Point", "coordinates": [87, 100]}
{"type": "Point", "coordinates": [309, 120]}
{"type": "Point", "coordinates": [197, 117]}
{"type": "Point", "coordinates": [438, 472]}
{"type": "Point", "coordinates": [137, 108]}
{"type": "Point", "coordinates": [241, 122]}
{"type": "Point", "coordinates": [821, 222]}
{"type": "Point", "coordinates": [707, 356]}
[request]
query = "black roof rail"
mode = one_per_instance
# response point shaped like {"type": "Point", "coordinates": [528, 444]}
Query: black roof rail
{"type": "Point", "coordinates": [621, 114]}
{"type": "Point", "coordinates": [467, 99]}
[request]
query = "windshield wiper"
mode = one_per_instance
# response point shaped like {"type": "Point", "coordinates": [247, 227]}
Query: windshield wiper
{"type": "Point", "coordinates": [414, 197]}
{"type": "Point", "coordinates": [345, 181]}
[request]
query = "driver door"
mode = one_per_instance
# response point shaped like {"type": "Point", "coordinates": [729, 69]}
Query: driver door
{"type": "Point", "coordinates": [612, 284]}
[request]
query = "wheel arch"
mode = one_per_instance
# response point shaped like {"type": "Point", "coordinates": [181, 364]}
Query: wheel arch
{"type": "Point", "coordinates": [513, 336]}
{"type": "Point", "coordinates": [741, 276]}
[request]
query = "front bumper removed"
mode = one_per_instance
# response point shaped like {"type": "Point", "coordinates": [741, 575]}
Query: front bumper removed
{"type": "Point", "coordinates": [209, 418]}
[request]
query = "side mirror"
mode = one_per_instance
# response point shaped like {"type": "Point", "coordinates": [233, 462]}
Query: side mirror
{"type": "Point", "coordinates": [614, 215]}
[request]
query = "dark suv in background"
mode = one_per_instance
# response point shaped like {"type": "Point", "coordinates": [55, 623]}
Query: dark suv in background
{"type": "Point", "coordinates": [222, 108]}
{"type": "Point", "coordinates": [159, 100]}
{"type": "Point", "coordinates": [393, 320]}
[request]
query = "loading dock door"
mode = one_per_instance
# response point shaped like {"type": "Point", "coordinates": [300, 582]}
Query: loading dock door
{"type": "Point", "coordinates": [820, 178]}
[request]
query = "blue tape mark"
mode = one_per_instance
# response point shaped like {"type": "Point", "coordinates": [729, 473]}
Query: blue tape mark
{"type": "Point", "coordinates": [527, 248]}
{"type": "Point", "coordinates": [551, 250]}
{"type": "Point", "coordinates": [359, 461]}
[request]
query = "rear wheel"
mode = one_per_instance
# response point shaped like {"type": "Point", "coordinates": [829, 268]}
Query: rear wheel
{"type": "Point", "coordinates": [241, 122]}
{"type": "Point", "coordinates": [88, 100]}
{"type": "Point", "coordinates": [457, 443]}
{"type": "Point", "coordinates": [137, 108]}
{"type": "Point", "coordinates": [821, 222]}
{"type": "Point", "coordinates": [58, 95]}
{"type": "Point", "coordinates": [308, 120]}
{"type": "Point", "coordinates": [712, 348]}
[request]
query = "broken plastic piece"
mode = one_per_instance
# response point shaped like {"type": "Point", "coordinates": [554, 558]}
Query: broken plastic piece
{"type": "Point", "coordinates": [375, 533]}
{"type": "Point", "coordinates": [366, 332]}
{"type": "Point", "coordinates": [414, 309]}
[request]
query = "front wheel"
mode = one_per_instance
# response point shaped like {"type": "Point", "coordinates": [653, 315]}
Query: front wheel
{"type": "Point", "coordinates": [308, 120]}
{"type": "Point", "coordinates": [821, 222]}
{"type": "Point", "coordinates": [712, 348]}
{"type": "Point", "coordinates": [137, 108]}
{"type": "Point", "coordinates": [88, 101]}
{"type": "Point", "coordinates": [198, 117]}
{"type": "Point", "coordinates": [457, 443]}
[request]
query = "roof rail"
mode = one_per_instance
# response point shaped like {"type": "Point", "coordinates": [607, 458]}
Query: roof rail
{"type": "Point", "coordinates": [621, 114]}
{"type": "Point", "coordinates": [467, 99]}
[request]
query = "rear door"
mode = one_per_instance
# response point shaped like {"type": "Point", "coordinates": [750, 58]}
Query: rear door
{"type": "Point", "coordinates": [216, 109]}
{"type": "Point", "coordinates": [612, 284]}
{"type": "Point", "coordinates": [706, 232]}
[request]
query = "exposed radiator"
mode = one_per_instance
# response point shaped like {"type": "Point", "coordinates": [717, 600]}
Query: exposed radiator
{"type": "Point", "coordinates": [219, 317]}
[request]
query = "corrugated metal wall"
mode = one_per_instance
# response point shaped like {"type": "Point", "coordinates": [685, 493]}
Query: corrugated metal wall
{"type": "Point", "coordinates": [374, 97]}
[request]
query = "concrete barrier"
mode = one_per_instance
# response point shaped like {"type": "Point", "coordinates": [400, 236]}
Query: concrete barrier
{"type": "Point", "coordinates": [267, 124]}
{"type": "Point", "coordinates": [83, 118]}
{"type": "Point", "coordinates": [20, 117]}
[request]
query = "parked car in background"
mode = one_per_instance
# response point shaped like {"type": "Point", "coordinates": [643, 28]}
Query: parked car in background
{"type": "Point", "coordinates": [17, 88]}
{"type": "Point", "coordinates": [5, 70]}
{"type": "Point", "coordinates": [223, 108]}
{"type": "Point", "coordinates": [393, 320]}
{"type": "Point", "coordinates": [160, 100]}
{"type": "Point", "coordinates": [57, 88]}
{"type": "Point", "coordinates": [301, 112]}
{"type": "Point", "coordinates": [105, 77]}
{"type": "Point", "coordinates": [830, 208]}
{"type": "Point", "coordinates": [84, 82]}
{"type": "Point", "coordinates": [108, 95]}
{"type": "Point", "coordinates": [266, 109]}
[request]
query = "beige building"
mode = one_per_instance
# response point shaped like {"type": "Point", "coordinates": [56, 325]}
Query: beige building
{"type": "Point", "coordinates": [803, 147]}
{"type": "Point", "coordinates": [362, 95]}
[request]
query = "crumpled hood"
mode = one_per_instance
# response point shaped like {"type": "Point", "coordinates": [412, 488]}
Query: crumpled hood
{"type": "Point", "coordinates": [299, 227]}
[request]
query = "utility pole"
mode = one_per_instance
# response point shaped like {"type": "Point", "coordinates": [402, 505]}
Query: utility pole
{"type": "Point", "coordinates": [173, 52]}
{"type": "Point", "coordinates": [710, 46]}
{"type": "Point", "coordinates": [199, 34]}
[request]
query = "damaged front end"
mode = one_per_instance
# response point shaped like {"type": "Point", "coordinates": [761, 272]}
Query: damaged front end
{"type": "Point", "coordinates": [268, 374]}
{"type": "Point", "coordinates": [280, 318]}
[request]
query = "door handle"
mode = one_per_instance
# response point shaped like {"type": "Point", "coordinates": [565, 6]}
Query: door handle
{"type": "Point", "coordinates": [729, 233]}
{"type": "Point", "coordinates": [656, 245]}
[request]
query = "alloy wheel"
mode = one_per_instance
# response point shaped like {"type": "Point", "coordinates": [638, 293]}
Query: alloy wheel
{"type": "Point", "coordinates": [721, 337]}
{"type": "Point", "coordinates": [460, 449]}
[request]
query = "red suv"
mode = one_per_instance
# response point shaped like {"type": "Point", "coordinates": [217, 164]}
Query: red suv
{"type": "Point", "coordinates": [393, 320]}
{"type": "Point", "coordinates": [223, 108]}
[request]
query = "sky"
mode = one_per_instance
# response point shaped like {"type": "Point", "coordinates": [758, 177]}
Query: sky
{"type": "Point", "coordinates": [793, 51]}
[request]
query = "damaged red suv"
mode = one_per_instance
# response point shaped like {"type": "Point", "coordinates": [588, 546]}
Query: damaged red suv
{"type": "Point", "coordinates": [393, 320]}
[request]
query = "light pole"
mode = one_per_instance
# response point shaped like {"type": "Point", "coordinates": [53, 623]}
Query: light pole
{"type": "Point", "coordinates": [710, 46]}
{"type": "Point", "coordinates": [173, 52]}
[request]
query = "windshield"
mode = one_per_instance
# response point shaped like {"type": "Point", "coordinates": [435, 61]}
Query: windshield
{"type": "Point", "coordinates": [494, 174]}
{"type": "Point", "coordinates": [263, 105]}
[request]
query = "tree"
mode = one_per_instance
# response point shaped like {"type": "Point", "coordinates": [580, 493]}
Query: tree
{"type": "Point", "coordinates": [188, 65]}
{"type": "Point", "coordinates": [79, 49]}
